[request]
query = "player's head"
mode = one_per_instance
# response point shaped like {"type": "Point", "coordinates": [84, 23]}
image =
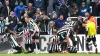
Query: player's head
{"type": "Point", "coordinates": [30, 15]}
{"type": "Point", "coordinates": [87, 15]}
{"type": "Point", "coordinates": [87, 21]}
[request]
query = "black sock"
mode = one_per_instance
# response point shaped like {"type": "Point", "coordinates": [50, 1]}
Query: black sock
{"type": "Point", "coordinates": [62, 47]}
{"type": "Point", "coordinates": [38, 46]}
{"type": "Point", "coordinates": [34, 45]}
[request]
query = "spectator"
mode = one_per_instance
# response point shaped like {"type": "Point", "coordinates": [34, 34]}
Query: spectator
{"type": "Point", "coordinates": [13, 4]}
{"type": "Point", "coordinates": [43, 24]}
{"type": "Point", "coordinates": [60, 22]}
{"type": "Point", "coordinates": [54, 17]}
{"type": "Point", "coordinates": [95, 8]}
{"type": "Point", "coordinates": [63, 10]}
{"type": "Point", "coordinates": [51, 27]}
{"type": "Point", "coordinates": [23, 19]}
{"type": "Point", "coordinates": [74, 11]}
{"type": "Point", "coordinates": [18, 10]}
{"type": "Point", "coordinates": [78, 2]}
{"type": "Point", "coordinates": [39, 4]}
{"type": "Point", "coordinates": [38, 10]}
{"type": "Point", "coordinates": [37, 17]}
{"type": "Point", "coordinates": [83, 9]}
{"type": "Point", "coordinates": [11, 21]}
{"type": "Point", "coordinates": [6, 9]}
{"type": "Point", "coordinates": [25, 11]}
{"type": "Point", "coordinates": [31, 8]}
{"type": "Point", "coordinates": [19, 27]}
{"type": "Point", "coordinates": [69, 2]}
{"type": "Point", "coordinates": [55, 4]}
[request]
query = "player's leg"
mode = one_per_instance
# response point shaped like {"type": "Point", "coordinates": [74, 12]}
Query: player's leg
{"type": "Point", "coordinates": [62, 47]}
{"type": "Point", "coordinates": [62, 41]}
{"type": "Point", "coordinates": [27, 47]}
{"type": "Point", "coordinates": [15, 44]}
{"type": "Point", "coordinates": [19, 49]}
{"type": "Point", "coordinates": [31, 47]}
{"type": "Point", "coordinates": [94, 43]}
{"type": "Point", "coordinates": [73, 40]}
{"type": "Point", "coordinates": [37, 41]}
{"type": "Point", "coordinates": [88, 43]}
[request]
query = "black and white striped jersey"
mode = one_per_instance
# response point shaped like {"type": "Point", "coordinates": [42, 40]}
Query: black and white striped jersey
{"type": "Point", "coordinates": [63, 32]}
{"type": "Point", "coordinates": [27, 36]}
{"type": "Point", "coordinates": [13, 42]}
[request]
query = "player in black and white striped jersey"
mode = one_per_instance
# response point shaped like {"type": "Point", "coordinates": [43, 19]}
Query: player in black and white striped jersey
{"type": "Point", "coordinates": [63, 34]}
{"type": "Point", "coordinates": [54, 43]}
{"type": "Point", "coordinates": [74, 28]}
{"type": "Point", "coordinates": [27, 39]}
{"type": "Point", "coordinates": [67, 32]}
{"type": "Point", "coordinates": [33, 31]}
{"type": "Point", "coordinates": [13, 42]}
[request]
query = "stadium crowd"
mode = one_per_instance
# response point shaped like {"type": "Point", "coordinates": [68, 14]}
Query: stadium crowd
{"type": "Point", "coordinates": [15, 12]}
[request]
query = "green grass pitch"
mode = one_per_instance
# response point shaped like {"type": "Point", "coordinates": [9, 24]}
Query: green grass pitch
{"type": "Point", "coordinates": [49, 54]}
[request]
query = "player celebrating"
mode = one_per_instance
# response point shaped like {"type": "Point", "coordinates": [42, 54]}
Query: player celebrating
{"type": "Point", "coordinates": [65, 33]}
{"type": "Point", "coordinates": [33, 30]}
{"type": "Point", "coordinates": [90, 34]}
{"type": "Point", "coordinates": [53, 44]}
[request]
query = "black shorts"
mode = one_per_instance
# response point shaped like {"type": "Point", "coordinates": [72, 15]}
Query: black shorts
{"type": "Point", "coordinates": [29, 46]}
{"type": "Point", "coordinates": [91, 38]}
{"type": "Point", "coordinates": [36, 36]}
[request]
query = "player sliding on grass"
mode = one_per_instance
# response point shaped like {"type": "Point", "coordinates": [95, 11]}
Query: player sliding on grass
{"type": "Point", "coordinates": [10, 23]}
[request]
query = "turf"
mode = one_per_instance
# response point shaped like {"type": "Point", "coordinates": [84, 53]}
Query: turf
{"type": "Point", "coordinates": [49, 54]}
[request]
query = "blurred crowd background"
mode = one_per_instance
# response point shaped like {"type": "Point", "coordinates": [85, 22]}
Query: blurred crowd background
{"type": "Point", "coordinates": [48, 14]}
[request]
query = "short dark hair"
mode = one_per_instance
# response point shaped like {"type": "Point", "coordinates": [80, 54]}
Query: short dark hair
{"type": "Point", "coordinates": [30, 14]}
